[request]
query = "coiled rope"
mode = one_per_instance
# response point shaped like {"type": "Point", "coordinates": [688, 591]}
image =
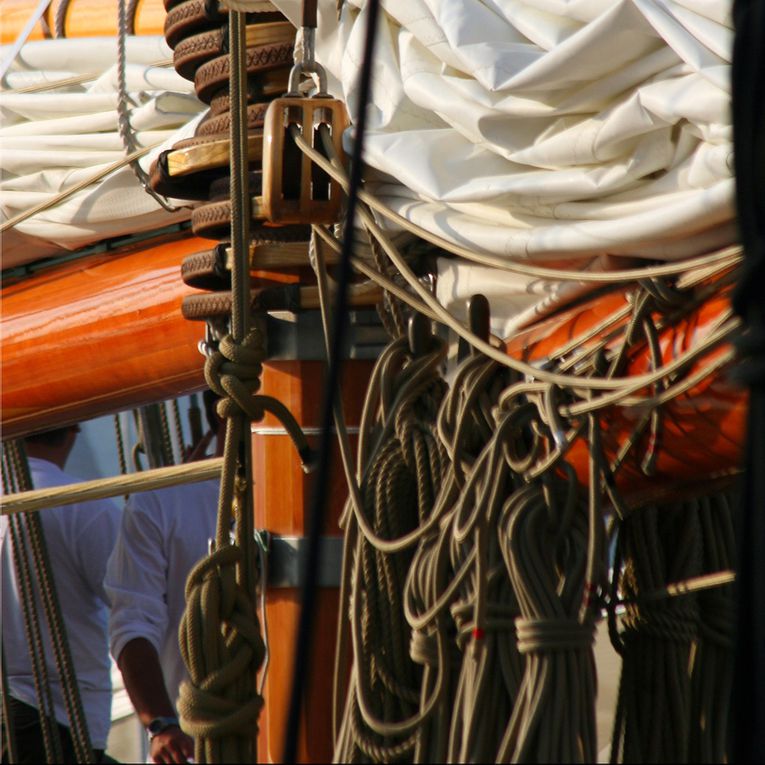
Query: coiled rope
{"type": "Point", "coordinates": [401, 478]}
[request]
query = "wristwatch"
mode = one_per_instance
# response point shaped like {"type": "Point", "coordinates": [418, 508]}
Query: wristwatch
{"type": "Point", "coordinates": [158, 724]}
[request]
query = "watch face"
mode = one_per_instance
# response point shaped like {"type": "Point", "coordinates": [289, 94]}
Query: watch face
{"type": "Point", "coordinates": [158, 724]}
{"type": "Point", "coordinates": [155, 726]}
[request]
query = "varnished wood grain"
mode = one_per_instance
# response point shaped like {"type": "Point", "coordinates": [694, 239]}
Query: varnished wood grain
{"type": "Point", "coordinates": [100, 334]}
{"type": "Point", "coordinates": [282, 494]}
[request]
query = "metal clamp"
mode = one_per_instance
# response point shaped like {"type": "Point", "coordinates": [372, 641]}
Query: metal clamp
{"type": "Point", "coordinates": [287, 556]}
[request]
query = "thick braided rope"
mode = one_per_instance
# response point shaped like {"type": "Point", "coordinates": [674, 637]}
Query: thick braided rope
{"type": "Point", "coordinates": [220, 633]}
{"type": "Point", "coordinates": [32, 527]}
{"type": "Point", "coordinates": [32, 632]}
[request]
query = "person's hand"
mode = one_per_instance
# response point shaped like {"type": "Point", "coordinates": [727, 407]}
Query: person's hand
{"type": "Point", "coordinates": [171, 745]}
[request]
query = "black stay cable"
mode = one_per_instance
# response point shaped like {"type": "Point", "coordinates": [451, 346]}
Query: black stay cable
{"type": "Point", "coordinates": [320, 489]}
{"type": "Point", "coordinates": [747, 724]}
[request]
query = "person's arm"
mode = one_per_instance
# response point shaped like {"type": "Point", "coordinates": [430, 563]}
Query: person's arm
{"type": "Point", "coordinates": [136, 586]}
{"type": "Point", "coordinates": [142, 674]}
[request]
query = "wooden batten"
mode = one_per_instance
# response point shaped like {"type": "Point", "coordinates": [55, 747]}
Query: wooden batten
{"type": "Point", "coordinates": [282, 500]}
{"type": "Point", "coordinates": [97, 335]}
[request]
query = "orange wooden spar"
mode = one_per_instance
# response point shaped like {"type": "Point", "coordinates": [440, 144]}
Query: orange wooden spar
{"type": "Point", "coordinates": [81, 18]}
{"type": "Point", "coordinates": [97, 335]}
{"type": "Point", "coordinates": [281, 497]}
{"type": "Point", "coordinates": [701, 434]}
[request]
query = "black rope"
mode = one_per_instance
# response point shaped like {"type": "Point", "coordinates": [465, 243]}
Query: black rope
{"type": "Point", "coordinates": [748, 97]}
{"type": "Point", "coordinates": [320, 489]}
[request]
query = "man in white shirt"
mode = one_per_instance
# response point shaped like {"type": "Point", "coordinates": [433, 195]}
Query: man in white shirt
{"type": "Point", "coordinates": [164, 533]}
{"type": "Point", "coordinates": [79, 538]}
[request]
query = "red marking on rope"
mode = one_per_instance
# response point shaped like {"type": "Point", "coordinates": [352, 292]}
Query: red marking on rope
{"type": "Point", "coordinates": [590, 590]}
{"type": "Point", "coordinates": [478, 634]}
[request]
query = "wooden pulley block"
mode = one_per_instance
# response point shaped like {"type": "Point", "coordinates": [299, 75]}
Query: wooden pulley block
{"type": "Point", "coordinates": [295, 190]}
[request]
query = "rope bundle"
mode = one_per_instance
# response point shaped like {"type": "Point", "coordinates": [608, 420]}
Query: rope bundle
{"type": "Point", "coordinates": [401, 478]}
{"type": "Point", "coordinates": [674, 694]}
{"type": "Point", "coordinates": [658, 545]}
{"type": "Point", "coordinates": [31, 561]}
{"type": "Point", "coordinates": [544, 544]}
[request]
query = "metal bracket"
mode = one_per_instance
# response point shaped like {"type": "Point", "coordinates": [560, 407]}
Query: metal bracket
{"type": "Point", "coordinates": [300, 336]}
{"type": "Point", "coordinates": [287, 555]}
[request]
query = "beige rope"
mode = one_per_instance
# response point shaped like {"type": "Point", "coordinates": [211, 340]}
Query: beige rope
{"type": "Point", "coordinates": [622, 388]}
{"type": "Point", "coordinates": [31, 526]}
{"type": "Point", "coordinates": [77, 79]}
{"type": "Point", "coordinates": [727, 256]}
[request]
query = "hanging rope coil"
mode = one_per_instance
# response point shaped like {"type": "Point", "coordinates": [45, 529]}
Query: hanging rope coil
{"type": "Point", "coordinates": [220, 640]}
{"type": "Point", "coordinates": [657, 545]}
{"type": "Point", "coordinates": [404, 463]}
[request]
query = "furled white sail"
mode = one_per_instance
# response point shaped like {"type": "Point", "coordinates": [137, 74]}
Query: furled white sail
{"type": "Point", "coordinates": [545, 130]}
{"type": "Point", "coordinates": [566, 132]}
{"type": "Point", "coordinates": [50, 140]}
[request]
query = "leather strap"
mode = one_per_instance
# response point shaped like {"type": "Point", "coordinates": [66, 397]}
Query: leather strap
{"type": "Point", "coordinates": [191, 17]}
{"type": "Point", "coordinates": [221, 123]}
{"type": "Point", "coordinates": [191, 52]}
{"type": "Point", "coordinates": [211, 77]}
{"type": "Point", "coordinates": [262, 87]}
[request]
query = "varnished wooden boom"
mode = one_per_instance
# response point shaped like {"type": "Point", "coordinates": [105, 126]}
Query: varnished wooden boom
{"type": "Point", "coordinates": [98, 335]}
{"type": "Point", "coordinates": [83, 18]}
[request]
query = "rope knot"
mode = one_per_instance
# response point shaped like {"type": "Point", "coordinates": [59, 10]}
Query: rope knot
{"type": "Point", "coordinates": [222, 647]}
{"type": "Point", "coordinates": [233, 372]}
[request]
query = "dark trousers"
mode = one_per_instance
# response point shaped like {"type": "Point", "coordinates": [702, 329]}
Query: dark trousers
{"type": "Point", "coordinates": [28, 737]}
